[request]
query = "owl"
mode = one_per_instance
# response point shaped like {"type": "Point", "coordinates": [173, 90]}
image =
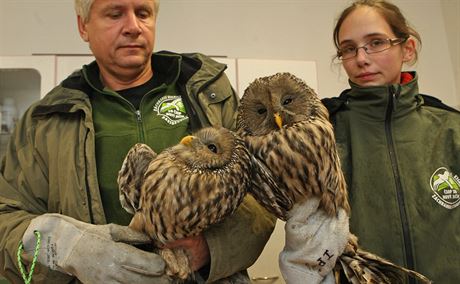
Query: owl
{"type": "Point", "coordinates": [184, 189]}
{"type": "Point", "coordinates": [286, 127]}
{"type": "Point", "coordinates": [287, 130]}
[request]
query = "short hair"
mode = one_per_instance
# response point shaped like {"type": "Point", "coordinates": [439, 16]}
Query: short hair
{"type": "Point", "coordinates": [83, 7]}
{"type": "Point", "coordinates": [390, 12]}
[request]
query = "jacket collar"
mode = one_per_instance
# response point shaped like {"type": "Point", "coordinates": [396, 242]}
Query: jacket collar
{"type": "Point", "coordinates": [196, 72]}
{"type": "Point", "coordinates": [165, 66]}
{"type": "Point", "coordinates": [377, 102]}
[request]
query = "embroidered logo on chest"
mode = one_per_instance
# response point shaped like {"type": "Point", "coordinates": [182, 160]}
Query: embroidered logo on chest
{"type": "Point", "coordinates": [171, 109]}
{"type": "Point", "coordinates": [446, 188]}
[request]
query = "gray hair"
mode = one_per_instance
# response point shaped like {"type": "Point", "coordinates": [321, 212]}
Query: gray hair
{"type": "Point", "coordinates": [83, 7]}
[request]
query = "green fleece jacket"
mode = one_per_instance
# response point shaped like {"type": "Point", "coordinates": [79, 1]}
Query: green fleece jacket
{"type": "Point", "coordinates": [400, 152]}
{"type": "Point", "coordinates": [50, 166]}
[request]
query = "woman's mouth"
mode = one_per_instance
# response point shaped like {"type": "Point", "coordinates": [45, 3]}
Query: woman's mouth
{"type": "Point", "coordinates": [368, 76]}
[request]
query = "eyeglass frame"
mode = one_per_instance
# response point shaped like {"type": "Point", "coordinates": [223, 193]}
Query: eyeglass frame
{"type": "Point", "coordinates": [393, 42]}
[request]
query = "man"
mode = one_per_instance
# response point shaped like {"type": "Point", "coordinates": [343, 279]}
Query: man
{"type": "Point", "coordinates": [58, 178]}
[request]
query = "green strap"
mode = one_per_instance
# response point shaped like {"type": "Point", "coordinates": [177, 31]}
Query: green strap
{"type": "Point", "coordinates": [28, 278]}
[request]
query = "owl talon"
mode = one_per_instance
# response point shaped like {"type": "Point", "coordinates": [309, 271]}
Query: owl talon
{"type": "Point", "coordinates": [177, 263]}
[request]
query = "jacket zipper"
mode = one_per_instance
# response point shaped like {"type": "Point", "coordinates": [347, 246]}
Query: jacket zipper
{"type": "Point", "coordinates": [88, 182]}
{"type": "Point", "coordinates": [139, 124]}
{"type": "Point", "coordinates": [399, 192]}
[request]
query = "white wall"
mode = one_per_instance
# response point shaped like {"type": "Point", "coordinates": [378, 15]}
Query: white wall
{"type": "Point", "coordinates": [265, 29]}
{"type": "Point", "coordinates": [451, 13]}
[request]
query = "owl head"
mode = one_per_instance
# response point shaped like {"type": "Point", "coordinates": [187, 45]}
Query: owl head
{"type": "Point", "coordinates": [277, 101]}
{"type": "Point", "coordinates": [208, 149]}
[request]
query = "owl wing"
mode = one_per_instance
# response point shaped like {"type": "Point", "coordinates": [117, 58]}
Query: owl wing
{"type": "Point", "coordinates": [267, 191]}
{"type": "Point", "coordinates": [131, 175]}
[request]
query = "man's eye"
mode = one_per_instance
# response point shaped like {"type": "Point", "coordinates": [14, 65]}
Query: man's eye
{"type": "Point", "coordinates": [114, 15]}
{"type": "Point", "coordinates": [143, 14]}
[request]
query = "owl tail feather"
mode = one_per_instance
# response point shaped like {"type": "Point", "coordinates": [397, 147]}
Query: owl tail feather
{"type": "Point", "coordinates": [362, 267]}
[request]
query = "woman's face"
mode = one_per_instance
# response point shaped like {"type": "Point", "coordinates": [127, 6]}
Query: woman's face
{"type": "Point", "coordinates": [361, 26]}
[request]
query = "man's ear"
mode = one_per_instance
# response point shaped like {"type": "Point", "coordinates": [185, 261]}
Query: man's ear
{"type": "Point", "coordinates": [82, 28]}
{"type": "Point", "coordinates": [409, 49]}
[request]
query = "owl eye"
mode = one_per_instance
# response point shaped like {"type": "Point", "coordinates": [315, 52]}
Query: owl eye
{"type": "Point", "coordinates": [287, 101]}
{"type": "Point", "coordinates": [261, 110]}
{"type": "Point", "coordinates": [212, 147]}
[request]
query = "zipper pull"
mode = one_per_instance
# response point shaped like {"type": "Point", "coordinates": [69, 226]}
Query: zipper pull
{"type": "Point", "coordinates": [394, 95]}
{"type": "Point", "coordinates": [139, 117]}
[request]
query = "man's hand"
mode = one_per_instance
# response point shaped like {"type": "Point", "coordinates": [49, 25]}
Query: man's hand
{"type": "Point", "coordinates": [197, 249]}
{"type": "Point", "coordinates": [93, 253]}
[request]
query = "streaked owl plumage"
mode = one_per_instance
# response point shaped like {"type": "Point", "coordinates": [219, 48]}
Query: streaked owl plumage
{"type": "Point", "coordinates": [300, 152]}
{"type": "Point", "coordinates": [184, 189]}
{"type": "Point", "coordinates": [287, 129]}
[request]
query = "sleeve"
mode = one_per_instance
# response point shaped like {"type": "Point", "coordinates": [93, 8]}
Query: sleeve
{"type": "Point", "coordinates": [220, 103]}
{"type": "Point", "coordinates": [23, 191]}
{"type": "Point", "coordinates": [236, 243]}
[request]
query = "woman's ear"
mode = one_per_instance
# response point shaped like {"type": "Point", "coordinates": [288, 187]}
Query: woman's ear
{"type": "Point", "coordinates": [409, 51]}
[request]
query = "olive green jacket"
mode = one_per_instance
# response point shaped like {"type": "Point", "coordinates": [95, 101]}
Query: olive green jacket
{"type": "Point", "coordinates": [395, 145]}
{"type": "Point", "coordinates": [50, 166]}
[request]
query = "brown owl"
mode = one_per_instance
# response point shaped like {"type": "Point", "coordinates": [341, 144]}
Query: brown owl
{"type": "Point", "coordinates": [184, 189]}
{"type": "Point", "coordinates": [287, 129]}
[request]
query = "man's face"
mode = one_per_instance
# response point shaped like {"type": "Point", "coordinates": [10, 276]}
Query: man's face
{"type": "Point", "coordinates": [120, 33]}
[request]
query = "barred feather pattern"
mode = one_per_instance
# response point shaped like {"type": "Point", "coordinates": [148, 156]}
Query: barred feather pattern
{"type": "Point", "coordinates": [287, 130]}
{"type": "Point", "coordinates": [187, 188]}
{"type": "Point", "coordinates": [131, 175]}
{"type": "Point", "coordinates": [302, 155]}
{"type": "Point", "coordinates": [313, 165]}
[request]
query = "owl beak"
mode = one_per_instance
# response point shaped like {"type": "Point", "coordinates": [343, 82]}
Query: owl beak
{"type": "Point", "coordinates": [187, 140]}
{"type": "Point", "coordinates": [278, 120]}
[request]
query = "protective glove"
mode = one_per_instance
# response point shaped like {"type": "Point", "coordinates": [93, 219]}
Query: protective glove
{"type": "Point", "coordinates": [93, 253]}
{"type": "Point", "coordinates": [314, 240]}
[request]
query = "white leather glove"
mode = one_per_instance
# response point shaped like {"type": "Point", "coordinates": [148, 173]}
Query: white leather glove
{"type": "Point", "coordinates": [93, 253]}
{"type": "Point", "coordinates": [313, 243]}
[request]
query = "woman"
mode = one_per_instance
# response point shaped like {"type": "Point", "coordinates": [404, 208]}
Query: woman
{"type": "Point", "coordinates": [400, 150]}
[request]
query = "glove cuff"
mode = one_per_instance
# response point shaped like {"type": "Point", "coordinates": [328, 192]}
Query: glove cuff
{"type": "Point", "coordinates": [58, 237]}
{"type": "Point", "coordinates": [314, 241]}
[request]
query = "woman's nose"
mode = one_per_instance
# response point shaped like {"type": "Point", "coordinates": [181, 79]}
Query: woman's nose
{"type": "Point", "coordinates": [361, 55]}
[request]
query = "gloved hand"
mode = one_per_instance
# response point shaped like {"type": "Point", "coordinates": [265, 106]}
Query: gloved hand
{"type": "Point", "coordinates": [313, 243]}
{"type": "Point", "coordinates": [93, 253]}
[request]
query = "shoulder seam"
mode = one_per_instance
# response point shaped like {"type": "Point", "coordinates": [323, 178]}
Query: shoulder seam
{"type": "Point", "coordinates": [437, 103]}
